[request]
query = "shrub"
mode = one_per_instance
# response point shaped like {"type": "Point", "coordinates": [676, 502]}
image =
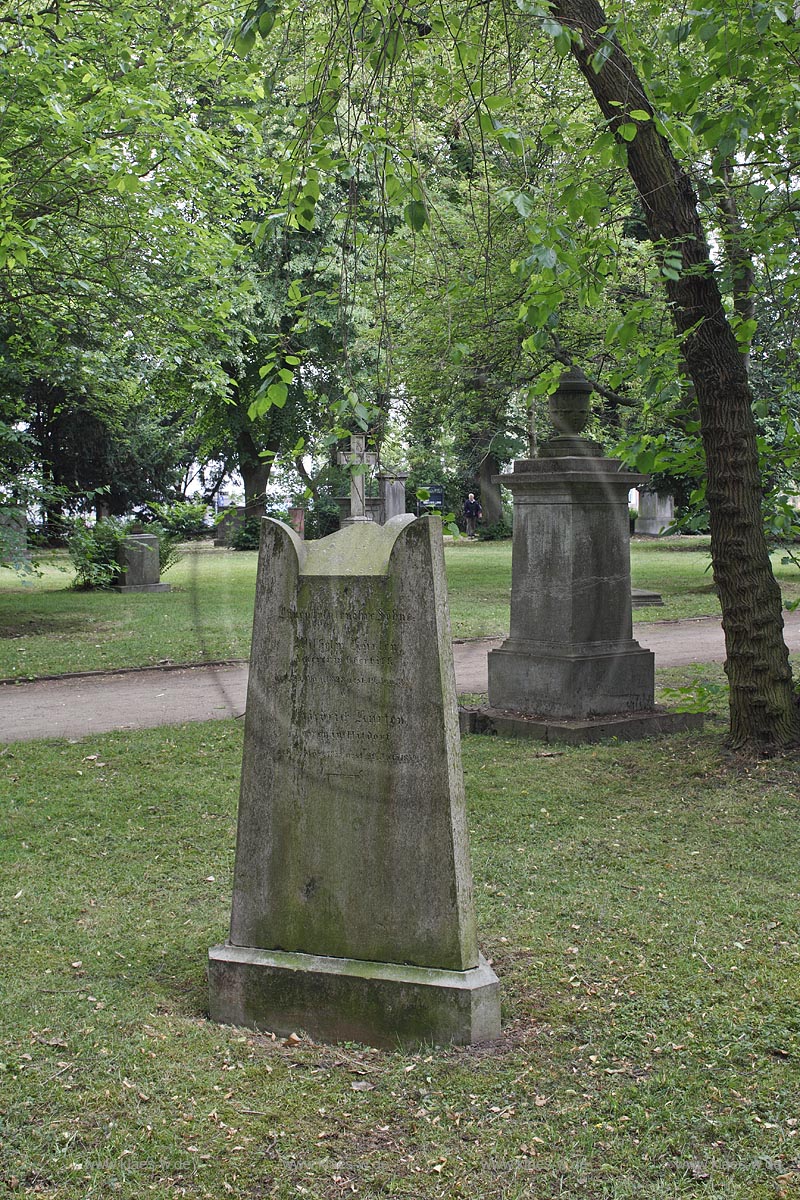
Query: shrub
{"type": "Point", "coordinates": [248, 535]}
{"type": "Point", "coordinates": [497, 532]}
{"type": "Point", "coordinates": [322, 517]}
{"type": "Point", "coordinates": [184, 520]}
{"type": "Point", "coordinates": [94, 550]}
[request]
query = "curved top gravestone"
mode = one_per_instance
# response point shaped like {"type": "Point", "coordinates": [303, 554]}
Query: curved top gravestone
{"type": "Point", "coordinates": [352, 837]}
{"type": "Point", "coordinates": [352, 842]}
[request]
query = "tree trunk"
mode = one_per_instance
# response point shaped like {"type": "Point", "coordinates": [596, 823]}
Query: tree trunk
{"type": "Point", "coordinates": [255, 471]}
{"type": "Point", "coordinates": [764, 716]}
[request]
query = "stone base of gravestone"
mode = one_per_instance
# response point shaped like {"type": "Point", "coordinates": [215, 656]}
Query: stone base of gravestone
{"type": "Point", "coordinates": [352, 913]}
{"type": "Point", "coordinates": [642, 598]}
{"type": "Point", "coordinates": [626, 727]}
{"type": "Point", "coordinates": [373, 511]}
{"type": "Point", "coordinates": [656, 513]}
{"type": "Point", "coordinates": [139, 569]}
{"type": "Point", "coordinates": [347, 1000]}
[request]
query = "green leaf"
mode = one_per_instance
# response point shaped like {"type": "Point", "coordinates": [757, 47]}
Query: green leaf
{"type": "Point", "coordinates": [244, 43]}
{"type": "Point", "coordinates": [266, 22]}
{"type": "Point", "coordinates": [415, 215]}
{"type": "Point", "coordinates": [494, 103]}
{"type": "Point", "coordinates": [601, 56]}
{"type": "Point", "coordinates": [277, 394]}
{"type": "Point", "coordinates": [627, 131]}
{"type": "Point", "coordinates": [563, 43]}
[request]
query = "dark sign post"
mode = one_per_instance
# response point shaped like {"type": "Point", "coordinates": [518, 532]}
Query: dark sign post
{"type": "Point", "coordinates": [434, 501]}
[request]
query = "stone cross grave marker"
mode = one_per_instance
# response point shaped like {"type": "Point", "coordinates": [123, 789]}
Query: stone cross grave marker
{"type": "Point", "coordinates": [352, 914]}
{"type": "Point", "coordinates": [359, 458]}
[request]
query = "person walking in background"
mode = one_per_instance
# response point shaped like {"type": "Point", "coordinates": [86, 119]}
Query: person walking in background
{"type": "Point", "coordinates": [472, 514]}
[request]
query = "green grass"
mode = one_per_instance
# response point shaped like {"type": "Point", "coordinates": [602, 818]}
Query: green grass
{"type": "Point", "coordinates": [640, 905]}
{"type": "Point", "coordinates": [479, 587]}
{"type": "Point", "coordinates": [46, 628]}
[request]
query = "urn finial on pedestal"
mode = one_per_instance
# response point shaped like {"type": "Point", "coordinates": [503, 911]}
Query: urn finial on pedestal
{"type": "Point", "coordinates": [569, 414]}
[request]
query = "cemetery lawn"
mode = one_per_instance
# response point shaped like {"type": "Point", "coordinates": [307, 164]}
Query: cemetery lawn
{"type": "Point", "coordinates": [47, 628]}
{"type": "Point", "coordinates": [640, 905]}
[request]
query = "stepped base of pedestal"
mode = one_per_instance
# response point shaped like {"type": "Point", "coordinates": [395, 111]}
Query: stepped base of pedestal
{"type": "Point", "coordinates": [344, 999]}
{"type": "Point", "coordinates": [625, 727]}
{"type": "Point", "coordinates": [571, 686]}
{"type": "Point", "coordinates": [142, 587]}
{"type": "Point", "coordinates": [641, 598]}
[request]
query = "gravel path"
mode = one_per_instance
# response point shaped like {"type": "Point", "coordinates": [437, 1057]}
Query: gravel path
{"type": "Point", "coordinates": [77, 706]}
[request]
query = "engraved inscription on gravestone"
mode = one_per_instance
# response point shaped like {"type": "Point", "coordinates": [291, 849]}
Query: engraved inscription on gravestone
{"type": "Point", "coordinates": [352, 911]}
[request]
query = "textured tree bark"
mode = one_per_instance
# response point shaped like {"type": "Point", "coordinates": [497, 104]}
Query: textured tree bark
{"type": "Point", "coordinates": [254, 471]}
{"type": "Point", "coordinates": [763, 713]}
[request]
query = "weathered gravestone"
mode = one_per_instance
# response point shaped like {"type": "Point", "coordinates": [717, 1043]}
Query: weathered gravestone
{"type": "Point", "coordinates": [352, 912]}
{"type": "Point", "coordinates": [229, 522]}
{"type": "Point", "coordinates": [138, 565]}
{"type": "Point", "coordinates": [656, 513]}
{"type": "Point", "coordinates": [393, 494]}
{"type": "Point", "coordinates": [297, 520]}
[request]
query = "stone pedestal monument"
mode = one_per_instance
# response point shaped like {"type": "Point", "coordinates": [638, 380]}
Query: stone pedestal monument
{"type": "Point", "coordinates": [571, 669]}
{"type": "Point", "coordinates": [352, 914]}
{"type": "Point", "coordinates": [230, 521]}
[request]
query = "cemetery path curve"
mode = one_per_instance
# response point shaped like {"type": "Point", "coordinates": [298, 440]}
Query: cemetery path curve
{"type": "Point", "coordinates": [78, 706]}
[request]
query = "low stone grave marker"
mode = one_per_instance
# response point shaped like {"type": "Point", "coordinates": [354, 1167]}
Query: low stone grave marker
{"type": "Point", "coordinates": [352, 914]}
{"type": "Point", "coordinates": [656, 513]}
{"type": "Point", "coordinates": [139, 568]}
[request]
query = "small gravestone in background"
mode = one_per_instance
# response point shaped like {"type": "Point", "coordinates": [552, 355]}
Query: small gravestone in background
{"type": "Point", "coordinates": [352, 913]}
{"type": "Point", "coordinates": [392, 486]}
{"type": "Point", "coordinates": [230, 521]}
{"type": "Point", "coordinates": [139, 569]}
{"type": "Point", "coordinates": [656, 513]}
